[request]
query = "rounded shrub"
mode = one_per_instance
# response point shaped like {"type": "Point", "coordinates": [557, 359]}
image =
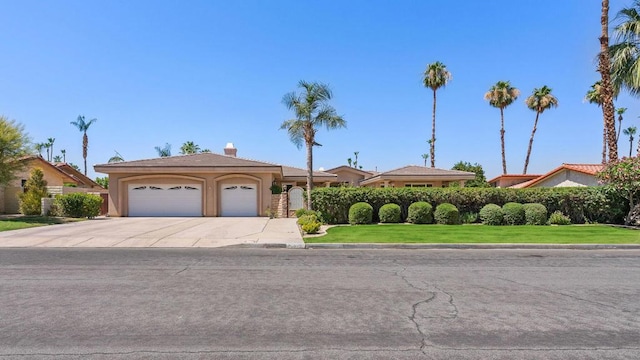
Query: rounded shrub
{"type": "Point", "coordinates": [390, 213]}
{"type": "Point", "coordinates": [311, 227]}
{"type": "Point", "coordinates": [360, 213]}
{"type": "Point", "coordinates": [535, 214]}
{"type": "Point", "coordinates": [447, 214]}
{"type": "Point", "coordinates": [513, 213]}
{"type": "Point", "coordinates": [308, 218]}
{"type": "Point", "coordinates": [558, 218]}
{"type": "Point", "coordinates": [491, 214]}
{"type": "Point", "coordinates": [79, 205]}
{"type": "Point", "coordinates": [420, 213]}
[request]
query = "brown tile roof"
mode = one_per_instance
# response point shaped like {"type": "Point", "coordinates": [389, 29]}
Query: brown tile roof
{"type": "Point", "coordinates": [76, 175]}
{"type": "Point", "coordinates": [192, 160]}
{"type": "Point", "coordinates": [514, 176]}
{"type": "Point", "coordinates": [345, 167]}
{"type": "Point", "coordinates": [412, 170]}
{"type": "Point", "coordinates": [289, 171]}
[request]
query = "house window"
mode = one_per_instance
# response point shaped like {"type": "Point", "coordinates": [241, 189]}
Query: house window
{"type": "Point", "coordinates": [23, 182]}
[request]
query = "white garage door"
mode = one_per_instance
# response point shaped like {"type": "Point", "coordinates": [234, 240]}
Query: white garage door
{"type": "Point", "coordinates": [165, 200]}
{"type": "Point", "coordinates": [239, 200]}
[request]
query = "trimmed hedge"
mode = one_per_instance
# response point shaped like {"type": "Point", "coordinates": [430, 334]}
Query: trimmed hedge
{"type": "Point", "coordinates": [513, 213]}
{"type": "Point", "coordinates": [597, 204]}
{"type": "Point", "coordinates": [492, 214]}
{"type": "Point", "coordinates": [360, 213]}
{"type": "Point", "coordinates": [420, 213]}
{"type": "Point", "coordinates": [390, 213]}
{"type": "Point", "coordinates": [447, 214]}
{"type": "Point", "coordinates": [79, 205]}
{"type": "Point", "coordinates": [535, 214]}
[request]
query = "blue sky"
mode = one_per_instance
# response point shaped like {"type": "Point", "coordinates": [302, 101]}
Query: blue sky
{"type": "Point", "coordinates": [212, 72]}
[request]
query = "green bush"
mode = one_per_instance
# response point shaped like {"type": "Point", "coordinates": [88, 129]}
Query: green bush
{"type": "Point", "coordinates": [420, 213]}
{"type": "Point", "coordinates": [469, 218]}
{"type": "Point", "coordinates": [447, 214]}
{"type": "Point", "coordinates": [596, 204]}
{"type": "Point", "coordinates": [390, 213]}
{"type": "Point", "coordinates": [535, 214]}
{"type": "Point", "coordinates": [30, 201]}
{"type": "Point", "coordinates": [360, 213]}
{"type": "Point", "coordinates": [513, 213]}
{"type": "Point", "coordinates": [300, 212]}
{"type": "Point", "coordinates": [492, 214]}
{"type": "Point", "coordinates": [308, 218]}
{"type": "Point", "coordinates": [311, 227]}
{"type": "Point", "coordinates": [558, 218]}
{"type": "Point", "coordinates": [79, 205]}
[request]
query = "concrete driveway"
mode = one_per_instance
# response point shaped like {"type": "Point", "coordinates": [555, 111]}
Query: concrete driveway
{"type": "Point", "coordinates": [158, 232]}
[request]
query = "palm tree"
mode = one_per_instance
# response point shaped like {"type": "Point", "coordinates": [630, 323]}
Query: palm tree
{"type": "Point", "coordinates": [164, 151]}
{"type": "Point", "coordinates": [39, 147]}
{"type": "Point", "coordinates": [630, 131]}
{"type": "Point", "coordinates": [606, 91]}
{"type": "Point", "coordinates": [64, 155]}
{"type": "Point", "coordinates": [620, 111]}
{"type": "Point", "coordinates": [57, 158]}
{"type": "Point", "coordinates": [625, 53]}
{"type": "Point", "coordinates": [189, 147]}
{"type": "Point", "coordinates": [436, 76]}
{"type": "Point", "coordinates": [355, 162]}
{"type": "Point", "coordinates": [540, 100]}
{"type": "Point", "coordinates": [116, 158]}
{"type": "Point", "coordinates": [425, 157]}
{"type": "Point", "coordinates": [51, 141]}
{"type": "Point", "coordinates": [47, 146]}
{"type": "Point", "coordinates": [312, 111]}
{"type": "Point", "coordinates": [83, 126]}
{"type": "Point", "coordinates": [501, 95]}
{"type": "Point", "coordinates": [593, 97]}
{"type": "Point", "coordinates": [206, 150]}
{"type": "Point", "coordinates": [349, 161]}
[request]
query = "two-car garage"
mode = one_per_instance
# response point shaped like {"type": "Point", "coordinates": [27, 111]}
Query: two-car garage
{"type": "Point", "coordinates": [153, 199]}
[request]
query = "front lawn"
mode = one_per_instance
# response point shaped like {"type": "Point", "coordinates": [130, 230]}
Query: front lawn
{"type": "Point", "coordinates": [23, 222]}
{"type": "Point", "coordinates": [459, 234]}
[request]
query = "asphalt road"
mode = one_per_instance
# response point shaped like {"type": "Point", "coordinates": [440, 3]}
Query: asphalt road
{"type": "Point", "coordinates": [319, 304]}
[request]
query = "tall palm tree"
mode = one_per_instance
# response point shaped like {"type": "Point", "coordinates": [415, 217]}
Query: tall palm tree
{"type": "Point", "coordinates": [425, 157]}
{"type": "Point", "coordinates": [501, 95]}
{"type": "Point", "coordinates": [436, 76]}
{"type": "Point", "coordinates": [57, 158]}
{"type": "Point", "coordinates": [620, 112]}
{"type": "Point", "coordinates": [189, 147]}
{"type": "Point", "coordinates": [607, 91]}
{"type": "Point", "coordinates": [540, 100]}
{"type": "Point", "coordinates": [116, 158]}
{"type": "Point", "coordinates": [312, 111]}
{"type": "Point", "coordinates": [83, 126]}
{"type": "Point", "coordinates": [593, 97]}
{"type": "Point", "coordinates": [164, 151]}
{"type": "Point", "coordinates": [47, 146]}
{"type": "Point", "coordinates": [64, 155]}
{"type": "Point", "coordinates": [39, 147]}
{"type": "Point", "coordinates": [349, 161]}
{"type": "Point", "coordinates": [355, 162]}
{"type": "Point", "coordinates": [630, 131]}
{"type": "Point", "coordinates": [51, 141]}
{"type": "Point", "coordinates": [625, 53]}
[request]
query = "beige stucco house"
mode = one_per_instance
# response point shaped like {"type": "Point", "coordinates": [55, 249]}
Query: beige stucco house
{"type": "Point", "coordinates": [61, 179]}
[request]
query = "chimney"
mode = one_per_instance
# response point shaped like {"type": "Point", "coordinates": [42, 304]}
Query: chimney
{"type": "Point", "coordinates": [230, 150]}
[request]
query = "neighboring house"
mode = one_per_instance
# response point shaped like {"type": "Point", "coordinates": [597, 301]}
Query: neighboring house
{"type": "Point", "coordinates": [508, 180]}
{"type": "Point", "coordinates": [209, 184]}
{"type": "Point", "coordinates": [61, 179]}
{"type": "Point", "coordinates": [565, 175]}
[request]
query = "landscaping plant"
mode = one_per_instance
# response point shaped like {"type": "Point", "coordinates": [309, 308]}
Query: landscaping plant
{"type": "Point", "coordinates": [513, 213]}
{"type": "Point", "coordinates": [31, 200]}
{"type": "Point", "coordinates": [390, 213]}
{"type": "Point", "coordinates": [360, 213]}
{"type": "Point", "coordinates": [447, 214]}
{"type": "Point", "coordinates": [492, 214]}
{"type": "Point", "coordinates": [420, 213]}
{"type": "Point", "coordinates": [79, 205]}
{"type": "Point", "coordinates": [535, 214]}
{"type": "Point", "coordinates": [558, 218]}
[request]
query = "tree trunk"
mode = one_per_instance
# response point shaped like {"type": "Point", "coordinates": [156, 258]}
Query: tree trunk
{"type": "Point", "coordinates": [533, 132]}
{"type": "Point", "coordinates": [85, 145]}
{"type": "Point", "coordinates": [504, 160]}
{"type": "Point", "coordinates": [433, 132]}
{"type": "Point", "coordinates": [606, 91]}
{"type": "Point", "coordinates": [630, 144]}
{"type": "Point", "coordinates": [309, 174]}
{"type": "Point", "coordinates": [604, 143]}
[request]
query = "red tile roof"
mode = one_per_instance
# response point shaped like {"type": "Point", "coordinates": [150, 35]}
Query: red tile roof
{"type": "Point", "coordinates": [589, 169]}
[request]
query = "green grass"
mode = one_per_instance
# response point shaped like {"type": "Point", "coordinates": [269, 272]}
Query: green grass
{"type": "Point", "coordinates": [458, 234]}
{"type": "Point", "coordinates": [23, 222]}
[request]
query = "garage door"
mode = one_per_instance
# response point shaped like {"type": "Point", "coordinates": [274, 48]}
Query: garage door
{"type": "Point", "coordinates": [239, 200]}
{"type": "Point", "coordinates": [165, 200]}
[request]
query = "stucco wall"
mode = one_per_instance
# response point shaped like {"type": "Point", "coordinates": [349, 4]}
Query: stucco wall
{"type": "Point", "coordinates": [211, 183]}
{"type": "Point", "coordinates": [345, 176]}
{"type": "Point", "coordinates": [575, 178]}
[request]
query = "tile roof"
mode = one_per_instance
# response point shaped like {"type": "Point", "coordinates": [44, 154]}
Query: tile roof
{"type": "Point", "coordinates": [589, 169]}
{"type": "Point", "coordinates": [412, 170]}
{"type": "Point", "coordinates": [289, 171]}
{"type": "Point", "coordinates": [191, 160]}
{"type": "Point", "coordinates": [514, 176]}
{"type": "Point", "coordinates": [345, 167]}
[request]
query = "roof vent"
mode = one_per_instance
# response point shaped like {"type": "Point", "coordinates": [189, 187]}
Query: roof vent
{"type": "Point", "coordinates": [230, 150]}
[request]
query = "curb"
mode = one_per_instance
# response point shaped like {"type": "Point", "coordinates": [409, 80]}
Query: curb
{"type": "Point", "coordinates": [371, 246]}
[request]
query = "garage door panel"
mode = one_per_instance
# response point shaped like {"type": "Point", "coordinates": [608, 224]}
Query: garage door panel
{"type": "Point", "coordinates": [165, 200]}
{"type": "Point", "coordinates": [239, 200]}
